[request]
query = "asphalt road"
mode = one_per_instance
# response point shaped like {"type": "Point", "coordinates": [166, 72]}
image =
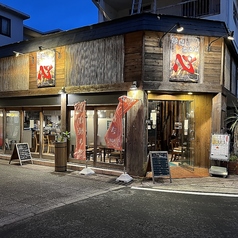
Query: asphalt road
{"type": "Point", "coordinates": [126, 212]}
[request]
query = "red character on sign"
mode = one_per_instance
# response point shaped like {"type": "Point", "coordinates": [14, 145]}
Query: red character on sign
{"type": "Point", "coordinates": [187, 59]}
{"type": "Point", "coordinates": [44, 72]}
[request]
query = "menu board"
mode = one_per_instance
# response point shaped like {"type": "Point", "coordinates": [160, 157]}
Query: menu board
{"type": "Point", "coordinates": [220, 147]}
{"type": "Point", "coordinates": [159, 164]}
{"type": "Point", "coordinates": [22, 152]}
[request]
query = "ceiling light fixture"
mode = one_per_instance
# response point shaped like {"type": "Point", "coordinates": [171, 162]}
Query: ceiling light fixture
{"type": "Point", "coordinates": [133, 86]}
{"type": "Point", "coordinates": [43, 48]}
{"type": "Point", "coordinates": [178, 28]}
{"type": "Point", "coordinates": [17, 53]}
{"type": "Point", "coordinates": [62, 91]}
{"type": "Point", "coordinates": [229, 36]}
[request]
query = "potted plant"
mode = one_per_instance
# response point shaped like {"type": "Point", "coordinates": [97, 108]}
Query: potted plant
{"type": "Point", "coordinates": [63, 136]}
{"type": "Point", "coordinates": [233, 164]}
{"type": "Point", "coordinates": [232, 121]}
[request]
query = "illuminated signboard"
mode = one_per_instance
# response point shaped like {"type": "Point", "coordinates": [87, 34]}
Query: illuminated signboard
{"type": "Point", "coordinates": [184, 58]}
{"type": "Point", "coordinates": [46, 68]}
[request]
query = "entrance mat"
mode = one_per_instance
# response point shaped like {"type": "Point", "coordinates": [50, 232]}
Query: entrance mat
{"type": "Point", "coordinates": [179, 172]}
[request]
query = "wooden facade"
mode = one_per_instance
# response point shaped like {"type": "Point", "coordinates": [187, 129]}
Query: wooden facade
{"type": "Point", "coordinates": [109, 61]}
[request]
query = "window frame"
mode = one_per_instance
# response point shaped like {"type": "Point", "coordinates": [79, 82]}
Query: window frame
{"type": "Point", "coordinates": [5, 26]}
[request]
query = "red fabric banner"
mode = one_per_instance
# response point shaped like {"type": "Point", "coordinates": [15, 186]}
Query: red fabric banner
{"type": "Point", "coordinates": [113, 137]}
{"type": "Point", "coordinates": [80, 130]}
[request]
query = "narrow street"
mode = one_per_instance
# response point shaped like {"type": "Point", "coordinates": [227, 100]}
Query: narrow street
{"type": "Point", "coordinates": [132, 213]}
{"type": "Point", "coordinates": [37, 202]}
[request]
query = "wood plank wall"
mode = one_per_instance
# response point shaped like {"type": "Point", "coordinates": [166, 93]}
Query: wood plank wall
{"type": "Point", "coordinates": [125, 58]}
{"type": "Point", "coordinates": [153, 57]}
{"type": "Point", "coordinates": [203, 121]}
{"type": "Point", "coordinates": [14, 74]}
{"type": "Point", "coordinates": [156, 65]}
{"type": "Point", "coordinates": [95, 62]}
{"type": "Point", "coordinates": [133, 57]}
{"type": "Point", "coordinates": [213, 62]}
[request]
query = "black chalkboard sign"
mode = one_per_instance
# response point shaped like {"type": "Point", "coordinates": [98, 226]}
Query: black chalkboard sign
{"type": "Point", "coordinates": [158, 161]}
{"type": "Point", "coordinates": [22, 152]}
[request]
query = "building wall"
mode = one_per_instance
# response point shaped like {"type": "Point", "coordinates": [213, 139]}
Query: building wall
{"type": "Point", "coordinates": [226, 15]}
{"type": "Point", "coordinates": [156, 66]}
{"type": "Point", "coordinates": [16, 29]}
{"type": "Point", "coordinates": [95, 62]}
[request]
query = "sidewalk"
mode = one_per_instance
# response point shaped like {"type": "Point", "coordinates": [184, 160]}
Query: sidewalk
{"type": "Point", "coordinates": [197, 181]}
{"type": "Point", "coordinates": [183, 180]}
{"type": "Point", "coordinates": [205, 185]}
{"type": "Point", "coordinates": [31, 189]}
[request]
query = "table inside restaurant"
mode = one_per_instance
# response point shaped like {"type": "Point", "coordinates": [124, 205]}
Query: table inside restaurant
{"type": "Point", "coordinates": [106, 150]}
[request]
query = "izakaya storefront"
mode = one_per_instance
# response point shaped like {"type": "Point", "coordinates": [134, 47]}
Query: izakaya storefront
{"type": "Point", "coordinates": [96, 123]}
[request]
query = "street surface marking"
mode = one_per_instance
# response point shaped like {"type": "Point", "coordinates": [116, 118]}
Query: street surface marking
{"type": "Point", "coordinates": [186, 192]}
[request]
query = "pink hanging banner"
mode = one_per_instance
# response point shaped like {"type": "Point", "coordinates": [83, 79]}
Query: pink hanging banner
{"type": "Point", "coordinates": [113, 137]}
{"type": "Point", "coordinates": [80, 130]}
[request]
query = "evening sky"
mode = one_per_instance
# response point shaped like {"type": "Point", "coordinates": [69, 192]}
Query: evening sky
{"type": "Point", "coordinates": [47, 15]}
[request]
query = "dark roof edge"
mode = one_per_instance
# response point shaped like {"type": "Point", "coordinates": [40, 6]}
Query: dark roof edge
{"type": "Point", "coordinates": [137, 22]}
{"type": "Point", "coordinates": [11, 10]}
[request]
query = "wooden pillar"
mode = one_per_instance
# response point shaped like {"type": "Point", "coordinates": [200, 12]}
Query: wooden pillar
{"type": "Point", "coordinates": [64, 98]}
{"type": "Point", "coordinates": [216, 113]}
{"type": "Point", "coordinates": [136, 134]}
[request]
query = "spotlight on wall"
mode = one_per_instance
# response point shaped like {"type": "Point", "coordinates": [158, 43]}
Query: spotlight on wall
{"type": "Point", "coordinates": [133, 86]}
{"type": "Point", "coordinates": [17, 53]}
{"type": "Point", "coordinates": [59, 54]}
{"type": "Point", "coordinates": [43, 48]}
{"type": "Point", "coordinates": [62, 91]}
{"type": "Point", "coordinates": [229, 36]}
{"type": "Point", "coordinates": [178, 28]}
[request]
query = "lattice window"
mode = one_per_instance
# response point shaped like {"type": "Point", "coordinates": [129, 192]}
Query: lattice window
{"type": "Point", "coordinates": [201, 8]}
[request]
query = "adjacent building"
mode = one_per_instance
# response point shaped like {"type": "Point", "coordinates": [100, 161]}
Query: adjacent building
{"type": "Point", "coordinates": [218, 10]}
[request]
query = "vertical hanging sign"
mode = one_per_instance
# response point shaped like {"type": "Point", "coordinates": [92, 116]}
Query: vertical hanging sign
{"type": "Point", "coordinates": [80, 130]}
{"type": "Point", "coordinates": [46, 68]}
{"type": "Point", "coordinates": [184, 58]}
{"type": "Point", "coordinates": [113, 136]}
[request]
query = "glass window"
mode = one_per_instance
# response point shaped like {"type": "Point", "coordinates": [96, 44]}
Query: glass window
{"type": "Point", "coordinates": [31, 129]}
{"type": "Point", "coordinates": [12, 129]}
{"type": "Point", "coordinates": [5, 26]}
{"type": "Point", "coordinates": [51, 127]}
{"type": "Point", "coordinates": [103, 121]}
